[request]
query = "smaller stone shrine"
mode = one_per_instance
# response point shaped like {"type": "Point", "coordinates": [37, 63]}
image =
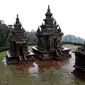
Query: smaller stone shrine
{"type": "Point", "coordinates": [49, 37]}
{"type": "Point", "coordinates": [80, 60]}
{"type": "Point", "coordinates": [18, 43]}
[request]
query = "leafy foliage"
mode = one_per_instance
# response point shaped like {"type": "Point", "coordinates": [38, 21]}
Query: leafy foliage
{"type": "Point", "coordinates": [4, 34]}
{"type": "Point", "coordinates": [31, 37]}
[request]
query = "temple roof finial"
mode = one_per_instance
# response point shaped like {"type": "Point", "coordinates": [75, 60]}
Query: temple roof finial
{"type": "Point", "coordinates": [17, 19]}
{"type": "Point", "coordinates": [55, 22]}
{"type": "Point", "coordinates": [38, 30]}
{"type": "Point", "coordinates": [17, 15]}
{"type": "Point", "coordinates": [48, 11]}
{"type": "Point", "coordinates": [17, 23]}
{"type": "Point", "coordinates": [42, 24]}
{"type": "Point", "coordinates": [48, 8]}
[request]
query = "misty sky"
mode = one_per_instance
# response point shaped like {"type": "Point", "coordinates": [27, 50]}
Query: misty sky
{"type": "Point", "coordinates": [69, 14]}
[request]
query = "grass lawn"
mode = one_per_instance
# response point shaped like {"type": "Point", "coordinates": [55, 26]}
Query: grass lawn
{"type": "Point", "coordinates": [2, 54]}
{"type": "Point", "coordinates": [72, 47]}
{"type": "Point", "coordinates": [30, 47]}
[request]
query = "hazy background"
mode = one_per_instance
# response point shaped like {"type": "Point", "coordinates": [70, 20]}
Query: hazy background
{"type": "Point", "coordinates": [69, 14]}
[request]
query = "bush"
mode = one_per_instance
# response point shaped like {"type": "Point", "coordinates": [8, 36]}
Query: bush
{"type": "Point", "coordinates": [4, 49]}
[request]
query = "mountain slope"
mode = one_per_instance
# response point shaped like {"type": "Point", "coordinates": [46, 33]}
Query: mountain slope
{"type": "Point", "coordinates": [73, 39]}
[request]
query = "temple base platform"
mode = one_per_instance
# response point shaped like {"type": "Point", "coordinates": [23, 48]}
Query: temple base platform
{"type": "Point", "coordinates": [51, 54]}
{"type": "Point", "coordinates": [19, 59]}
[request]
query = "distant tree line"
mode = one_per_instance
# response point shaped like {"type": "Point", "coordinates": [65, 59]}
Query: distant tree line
{"type": "Point", "coordinates": [31, 37]}
{"type": "Point", "coordinates": [4, 33]}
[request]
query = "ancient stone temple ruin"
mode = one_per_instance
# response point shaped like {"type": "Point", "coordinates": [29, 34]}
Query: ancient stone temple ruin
{"type": "Point", "coordinates": [18, 43]}
{"type": "Point", "coordinates": [80, 60]}
{"type": "Point", "coordinates": [49, 37]}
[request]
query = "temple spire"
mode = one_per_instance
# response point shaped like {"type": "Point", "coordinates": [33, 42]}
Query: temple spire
{"type": "Point", "coordinates": [17, 19]}
{"type": "Point", "coordinates": [48, 8]}
{"type": "Point", "coordinates": [17, 22]}
{"type": "Point", "coordinates": [49, 19]}
{"type": "Point", "coordinates": [17, 15]}
{"type": "Point", "coordinates": [48, 11]}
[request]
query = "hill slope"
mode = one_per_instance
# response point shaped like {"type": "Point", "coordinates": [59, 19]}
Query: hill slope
{"type": "Point", "coordinates": [73, 39]}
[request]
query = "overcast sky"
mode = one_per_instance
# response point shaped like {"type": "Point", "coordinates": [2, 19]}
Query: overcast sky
{"type": "Point", "coordinates": [69, 14]}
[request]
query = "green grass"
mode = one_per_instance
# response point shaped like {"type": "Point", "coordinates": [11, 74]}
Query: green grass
{"type": "Point", "coordinates": [30, 47]}
{"type": "Point", "coordinates": [2, 54]}
{"type": "Point", "coordinates": [72, 47]}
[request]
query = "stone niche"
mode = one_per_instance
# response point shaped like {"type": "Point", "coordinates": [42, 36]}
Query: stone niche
{"type": "Point", "coordinates": [49, 37]}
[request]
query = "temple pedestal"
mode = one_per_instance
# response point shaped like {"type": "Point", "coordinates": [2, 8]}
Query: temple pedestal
{"type": "Point", "coordinates": [53, 54]}
{"type": "Point", "coordinates": [19, 59]}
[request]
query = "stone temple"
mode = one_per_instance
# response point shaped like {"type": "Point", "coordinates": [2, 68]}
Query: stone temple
{"type": "Point", "coordinates": [80, 60]}
{"type": "Point", "coordinates": [49, 37]}
{"type": "Point", "coordinates": [18, 43]}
